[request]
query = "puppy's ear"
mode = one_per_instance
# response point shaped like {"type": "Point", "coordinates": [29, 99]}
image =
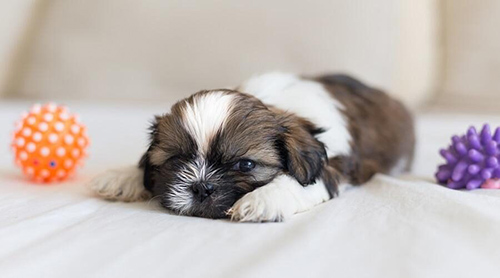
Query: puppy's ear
{"type": "Point", "coordinates": [146, 166]}
{"type": "Point", "coordinates": [304, 155]}
{"type": "Point", "coordinates": [145, 163]}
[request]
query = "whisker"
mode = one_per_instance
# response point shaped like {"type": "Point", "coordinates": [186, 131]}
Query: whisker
{"type": "Point", "coordinates": [151, 199]}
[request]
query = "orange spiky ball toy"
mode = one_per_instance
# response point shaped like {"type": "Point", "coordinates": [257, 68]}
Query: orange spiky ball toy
{"type": "Point", "coordinates": [49, 142]}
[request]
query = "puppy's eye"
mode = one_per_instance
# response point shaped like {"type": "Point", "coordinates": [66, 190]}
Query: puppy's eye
{"type": "Point", "coordinates": [244, 165]}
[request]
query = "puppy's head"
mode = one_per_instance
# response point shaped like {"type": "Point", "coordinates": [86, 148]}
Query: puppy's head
{"type": "Point", "coordinates": [216, 146]}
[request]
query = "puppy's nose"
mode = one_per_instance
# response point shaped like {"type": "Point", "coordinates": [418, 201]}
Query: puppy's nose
{"type": "Point", "coordinates": [202, 190]}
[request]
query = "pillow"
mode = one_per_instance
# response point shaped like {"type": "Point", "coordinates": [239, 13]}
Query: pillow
{"type": "Point", "coordinates": [165, 50]}
{"type": "Point", "coordinates": [15, 17]}
{"type": "Point", "coordinates": [472, 63]}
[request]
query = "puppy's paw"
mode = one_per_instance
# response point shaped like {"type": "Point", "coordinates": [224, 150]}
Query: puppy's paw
{"type": "Point", "coordinates": [123, 184]}
{"type": "Point", "coordinates": [262, 205]}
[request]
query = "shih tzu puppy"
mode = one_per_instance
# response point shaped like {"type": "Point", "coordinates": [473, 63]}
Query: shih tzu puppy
{"type": "Point", "coordinates": [277, 145]}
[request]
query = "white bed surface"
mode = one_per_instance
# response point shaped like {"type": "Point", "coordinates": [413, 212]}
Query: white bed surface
{"type": "Point", "coordinates": [392, 227]}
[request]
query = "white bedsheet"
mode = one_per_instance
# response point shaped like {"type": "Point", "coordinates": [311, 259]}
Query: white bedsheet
{"type": "Point", "coordinates": [392, 227]}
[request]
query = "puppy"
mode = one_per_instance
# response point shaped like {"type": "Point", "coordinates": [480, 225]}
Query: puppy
{"type": "Point", "coordinates": [277, 145]}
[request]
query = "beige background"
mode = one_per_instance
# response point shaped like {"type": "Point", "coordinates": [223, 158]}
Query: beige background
{"type": "Point", "coordinates": [472, 56]}
{"type": "Point", "coordinates": [118, 49]}
{"type": "Point", "coordinates": [15, 17]}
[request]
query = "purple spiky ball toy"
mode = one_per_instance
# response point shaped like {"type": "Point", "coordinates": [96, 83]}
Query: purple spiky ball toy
{"type": "Point", "coordinates": [472, 160]}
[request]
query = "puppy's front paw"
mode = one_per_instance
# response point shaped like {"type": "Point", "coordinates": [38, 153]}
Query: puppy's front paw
{"type": "Point", "coordinates": [121, 184]}
{"type": "Point", "coordinates": [261, 205]}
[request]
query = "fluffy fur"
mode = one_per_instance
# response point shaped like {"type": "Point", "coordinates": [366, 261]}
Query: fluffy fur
{"type": "Point", "coordinates": [307, 99]}
{"type": "Point", "coordinates": [278, 200]}
{"type": "Point", "coordinates": [277, 145]}
{"type": "Point", "coordinates": [205, 116]}
{"type": "Point", "coordinates": [124, 184]}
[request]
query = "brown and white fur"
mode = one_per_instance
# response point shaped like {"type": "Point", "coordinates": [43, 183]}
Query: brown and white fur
{"type": "Point", "coordinates": [277, 145]}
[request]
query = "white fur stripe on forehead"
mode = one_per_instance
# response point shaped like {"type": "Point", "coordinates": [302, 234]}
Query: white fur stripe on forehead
{"type": "Point", "coordinates": [206, 115]}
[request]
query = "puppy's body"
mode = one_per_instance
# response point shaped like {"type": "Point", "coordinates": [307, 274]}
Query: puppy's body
{"type": "Point", "coordinates": [277, 145]}
{"type": "Point", "coordinates": [366, 132]}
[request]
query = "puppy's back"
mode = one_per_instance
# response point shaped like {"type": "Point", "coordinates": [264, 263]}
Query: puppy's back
{"type": "Point", "coordinates": [382, 128]}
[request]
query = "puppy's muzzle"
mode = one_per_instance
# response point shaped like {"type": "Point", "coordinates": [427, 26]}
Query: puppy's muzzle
{"type": "Point", "coordinates": [202, 190]}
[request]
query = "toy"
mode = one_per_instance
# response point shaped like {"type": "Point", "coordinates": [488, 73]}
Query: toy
{"type": "Point", "coordinates": [491, 184]}
{"type": "Point", "coordinates": [49, 143]}
{"type": "Point", "coordinates": [472, 160]}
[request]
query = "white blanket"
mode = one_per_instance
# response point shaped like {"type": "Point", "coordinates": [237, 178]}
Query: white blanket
{"type": "Point", "coordinates": [392, 227]}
